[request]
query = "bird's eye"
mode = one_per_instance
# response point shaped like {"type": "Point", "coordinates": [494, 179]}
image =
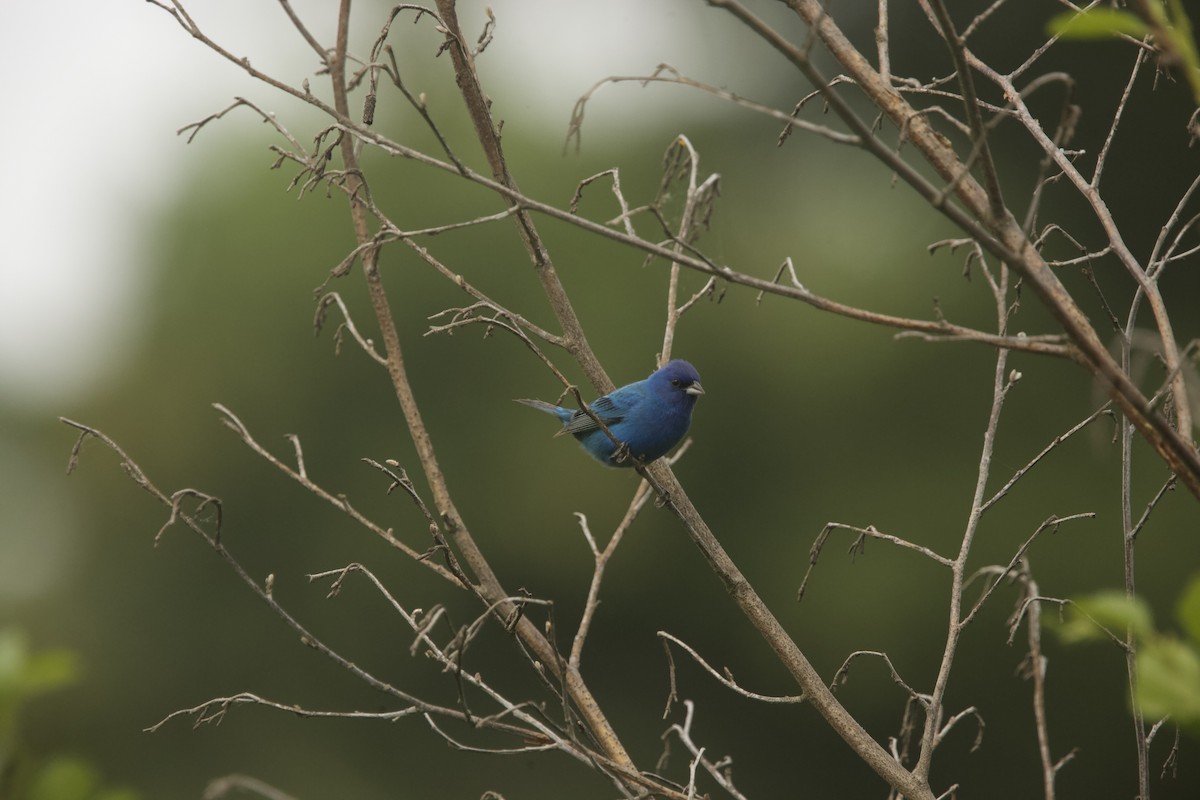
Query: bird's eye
{"type": "Point", "coordinates": [675, 382]}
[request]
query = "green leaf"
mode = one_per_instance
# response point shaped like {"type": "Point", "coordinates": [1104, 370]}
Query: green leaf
{"type": "Point", "coordinates": [1169, 681]}
{"type": "Point", "coordinates": [1189, 610]}
{"type": "Point", "coordinates": [1097, 23]}
{"type": "Point", "coordinates": [1183, 45]}
{"type": "Point", "coordinates": [1089, 617]}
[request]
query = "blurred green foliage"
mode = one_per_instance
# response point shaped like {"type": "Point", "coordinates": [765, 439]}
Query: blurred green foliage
{"type": "Point", "coordinates": [25, 775]}
{"type": "Point", "coordinates": [1166, 21]}
{"type": "Point", "coordinates": [1168, 666]}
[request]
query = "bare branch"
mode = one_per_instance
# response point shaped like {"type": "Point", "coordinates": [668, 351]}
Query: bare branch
{"type": "Point", "coordinates": [231, 421]}
{"type": "Point", "coordinates": [842, 676]}
{"type": "Point", "coordinates": [859, 546]}
{"type": "Point", "coordinates": [220, 787]}
{"type": "Point", "coordinates": [720, 771]}
{"type": "Point", "coordinates": [665, 73]}
{"type": "Point", "coordinates": [726, 678]}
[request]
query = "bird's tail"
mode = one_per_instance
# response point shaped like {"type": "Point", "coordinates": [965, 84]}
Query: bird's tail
{"type": "Point", "coordinates": [540, 405]}
{"type": "Point", "coordinates": [563, 414]}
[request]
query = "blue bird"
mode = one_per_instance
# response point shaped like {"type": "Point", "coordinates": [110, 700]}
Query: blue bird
{"type": "Point", "coordinates": [649, 416]}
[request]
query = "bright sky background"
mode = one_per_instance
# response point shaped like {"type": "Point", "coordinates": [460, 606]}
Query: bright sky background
{"type": "Point", "coordinates": [95, 91]}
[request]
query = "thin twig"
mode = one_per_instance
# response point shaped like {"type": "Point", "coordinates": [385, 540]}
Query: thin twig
{"type": "Point", "coordinates": [726, 678]}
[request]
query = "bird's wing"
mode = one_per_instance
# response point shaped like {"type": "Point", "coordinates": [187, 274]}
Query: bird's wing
{"type": "Point", "coordinates": [604, 408]}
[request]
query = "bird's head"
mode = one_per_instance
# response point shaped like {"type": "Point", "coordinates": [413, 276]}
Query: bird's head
{"type": "Point", "coordinates": [679, 376]}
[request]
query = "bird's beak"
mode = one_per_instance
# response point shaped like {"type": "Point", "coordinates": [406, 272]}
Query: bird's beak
{"type": "Point", "coordinates": [695, 388]}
